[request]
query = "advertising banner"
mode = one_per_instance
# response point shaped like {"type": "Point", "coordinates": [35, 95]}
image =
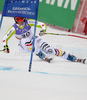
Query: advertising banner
{"type": "Point", "coordinates": [1, 5]}
{"type": "Point", "coordinates": [58, 12]}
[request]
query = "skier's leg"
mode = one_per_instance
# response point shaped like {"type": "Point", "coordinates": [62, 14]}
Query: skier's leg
{"type": "Point", "coordinates": [45, 47]}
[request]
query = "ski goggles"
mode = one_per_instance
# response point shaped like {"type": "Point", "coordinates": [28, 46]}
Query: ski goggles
{"type": "Point", "coordinates": [18, 19]}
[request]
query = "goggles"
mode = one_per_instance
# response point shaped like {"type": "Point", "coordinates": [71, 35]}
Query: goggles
{"type": "Point", "coordinates": [18, 19]}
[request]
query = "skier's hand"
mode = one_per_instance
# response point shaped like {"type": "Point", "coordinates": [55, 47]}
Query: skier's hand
{"type": "Point", "coordinates": [6, 49]}
{"type": "Point", "coordinates": [42, 32]}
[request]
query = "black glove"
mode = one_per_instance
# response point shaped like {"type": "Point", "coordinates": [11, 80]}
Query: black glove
{"type": "Point", "coordinates": [42, 32]}
{"type": "Point", "coordinates": [6, 49]}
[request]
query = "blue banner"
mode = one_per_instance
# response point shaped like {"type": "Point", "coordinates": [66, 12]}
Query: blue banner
{"type": "Point", "coordinates": [21, 8]}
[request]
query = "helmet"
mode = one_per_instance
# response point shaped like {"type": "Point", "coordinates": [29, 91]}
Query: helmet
{"type": "Point", "coordinates": [18, 19]}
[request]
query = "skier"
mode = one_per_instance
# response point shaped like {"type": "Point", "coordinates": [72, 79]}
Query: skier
{"type": "Point", "coordinates": [22, 31]}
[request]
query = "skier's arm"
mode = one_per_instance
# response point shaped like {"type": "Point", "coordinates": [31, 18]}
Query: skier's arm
{"type": "Point", "coordinates": [7, 36]}
{"type": "Point", "coordinates": [39, 24]}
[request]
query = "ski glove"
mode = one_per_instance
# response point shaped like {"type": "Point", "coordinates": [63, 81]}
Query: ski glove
{"type": "Point", "coordinates": [6, 49]}
{"type": "Point", "coordinates": [42, 32]}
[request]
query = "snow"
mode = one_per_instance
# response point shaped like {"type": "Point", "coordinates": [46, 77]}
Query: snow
{"type": "Point", "coordinates": [58, 80]}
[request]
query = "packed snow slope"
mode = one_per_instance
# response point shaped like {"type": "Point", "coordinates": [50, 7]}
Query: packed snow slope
{"type": "Point", "coordinates": [58, 80]}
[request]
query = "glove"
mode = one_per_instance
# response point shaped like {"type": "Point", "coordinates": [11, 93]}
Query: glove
{"type": "Point", "coordinates": [6, 49]}
{"type": "Point", "coordinates": [42, 32]}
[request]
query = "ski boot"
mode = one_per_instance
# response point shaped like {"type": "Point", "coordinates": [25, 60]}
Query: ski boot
{"type": "Point", "coordinates": [75, 59]}
{"type": "Point", "coordinates": [43, 57]}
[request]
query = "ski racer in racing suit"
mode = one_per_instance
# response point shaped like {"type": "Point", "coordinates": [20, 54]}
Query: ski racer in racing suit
{"type": "Point", "coordinates": [22, 31]}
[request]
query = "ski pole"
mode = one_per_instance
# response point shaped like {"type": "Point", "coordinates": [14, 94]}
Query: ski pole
{"type": "Point", "coordinates": [41, 34]}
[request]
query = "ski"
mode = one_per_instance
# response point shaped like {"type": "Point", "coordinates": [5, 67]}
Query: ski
{"type": "Point", "coordinates": [81, 60]}
{"type": "Point", "coordinates": [47, 59]}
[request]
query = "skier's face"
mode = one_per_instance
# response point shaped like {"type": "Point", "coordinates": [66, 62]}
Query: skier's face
{"type": "Point", "coordinates": [20, 23]}
{"type": "Point", "coordinates": [20, 20]}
